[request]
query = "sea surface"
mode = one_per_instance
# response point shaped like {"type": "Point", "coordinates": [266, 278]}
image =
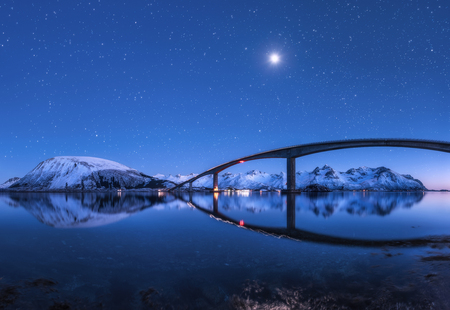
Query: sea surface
{"type": "Point", "coordinates": [228, 250]}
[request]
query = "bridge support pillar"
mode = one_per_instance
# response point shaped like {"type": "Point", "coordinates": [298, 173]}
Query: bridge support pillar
{"type": "Point", "coordinates": [290, 171]}
{"type": "Point", "coordinates": [190, 186]}
{"type": "Point", "coordinates": [216, 181]}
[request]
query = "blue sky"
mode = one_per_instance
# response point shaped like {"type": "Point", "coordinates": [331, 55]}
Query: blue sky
{"type": "Point", "coordinates": [181, 86]}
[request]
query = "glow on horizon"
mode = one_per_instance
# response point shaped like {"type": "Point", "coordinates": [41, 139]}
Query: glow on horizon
{"type": "Point", "coordinates": [430, 167]}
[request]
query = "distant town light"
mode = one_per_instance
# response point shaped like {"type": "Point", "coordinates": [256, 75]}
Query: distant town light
{"type": "Point", "coordinates": [241, 161]}
{"type": "Point", "coordinates": [241, 223]}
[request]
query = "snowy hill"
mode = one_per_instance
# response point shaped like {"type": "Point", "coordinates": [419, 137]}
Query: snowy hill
{"type": "Point", "coordinates": [88, 173]}
{"type": "Point", "coordinates": [378, 179]}
{"type": "Point", "coordinates": [9, 182]}
{"type": "Point", "coordinates": [254, 180]}
{"type": "Point", "coordinates": [84, 173]}
{"type": "Point", "coordinates": [175, 179]}
{"type": "Point", "coordinates": [362, 178]}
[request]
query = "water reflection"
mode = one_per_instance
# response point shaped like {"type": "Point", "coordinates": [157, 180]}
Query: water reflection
{"type": "Point", "coordinates": [361, 204]}
{"type": "Point", "coordinates": [363, 219]}
{"type": "Point", "coordinates": [80, 210]}
{"type": "Point", "coordinates": [321, 204]}
{"type": "Point", "coordinates": [193, 252]}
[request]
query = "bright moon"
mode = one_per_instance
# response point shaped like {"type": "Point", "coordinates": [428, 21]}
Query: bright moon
{"type": "Point", "coordinates": [274, 58]}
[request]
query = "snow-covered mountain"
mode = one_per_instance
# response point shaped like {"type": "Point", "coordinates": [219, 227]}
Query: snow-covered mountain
{"type": "Point", "coordinates": [379, 179]}
{"type": "Point", "coordinates": [9, 182]}
{"type": "Point", "coordinates": [362, 178]}
{"type": "Point", "coordinates": [89, 173]}
{"type": "Point", "coordinates": [84, 173]}
{"type": "Point", "coordinates": [175, 178]}
{"type": "Point", "coordinates": [254, 180]}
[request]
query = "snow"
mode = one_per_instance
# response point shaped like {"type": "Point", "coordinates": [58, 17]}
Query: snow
{"type": "Point", "coordinates": [176, 179]}
{"type": "Point", "coordinates": [88, 173]}
{"type": "Point", "coordinates": [80, 172]}
{"type": "Point", "coordinates": [381, 179]}
{"type": "Point", "coordinates": [9, 182]}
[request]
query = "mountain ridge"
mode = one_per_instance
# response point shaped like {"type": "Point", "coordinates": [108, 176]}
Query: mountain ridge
{"type": "Point", "coordinates": [79, 173]}
{"type": "Point", "coordinates": [362, 178]}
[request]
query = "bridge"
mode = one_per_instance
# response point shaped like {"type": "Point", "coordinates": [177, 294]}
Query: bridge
{"type": "Point", "coordinates": [293, 152]}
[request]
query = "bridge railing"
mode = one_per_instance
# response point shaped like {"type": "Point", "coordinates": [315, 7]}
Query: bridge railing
{"type": "Point", "coordinates": [349, 140]}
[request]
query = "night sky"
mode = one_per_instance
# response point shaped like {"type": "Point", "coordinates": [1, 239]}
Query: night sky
{"type": "Point", "coordinates": [181, 86]}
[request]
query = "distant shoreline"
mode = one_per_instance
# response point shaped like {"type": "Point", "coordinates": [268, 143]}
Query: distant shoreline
{"type": "Point", "coordinates": [165, 190]}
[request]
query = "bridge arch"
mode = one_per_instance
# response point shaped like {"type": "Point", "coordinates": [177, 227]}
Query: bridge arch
{"type": "Point", "coordinates": [293, 152]}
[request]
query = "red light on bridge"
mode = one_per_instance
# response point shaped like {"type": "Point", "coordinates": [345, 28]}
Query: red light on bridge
{"type": "Point", "coordinates": [241, 223]}
{"type": "Point", "coordinates": [241, 161]}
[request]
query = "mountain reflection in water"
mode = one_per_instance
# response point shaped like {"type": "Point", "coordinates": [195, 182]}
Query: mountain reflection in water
{"type": "Point", "coordinates": [323, 204]}
{"type": "Point", "coordinates": [96, 209]}
{"type": "Point", "coordinates": [80, 210]}
{"type": "Point", "coordinates": [212, 250]}
{"type": "Point", "coordinates": [342, 231]}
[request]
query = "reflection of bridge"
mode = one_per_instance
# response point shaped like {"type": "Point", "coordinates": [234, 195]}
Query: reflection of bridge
{"type": "Point", "coordinates": [303, 235]}
{"type": "Point", "coordinates": [292, 152]}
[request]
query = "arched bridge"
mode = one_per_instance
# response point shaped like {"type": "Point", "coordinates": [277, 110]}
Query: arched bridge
{"type": "Point", "coordinates": [293, 152]}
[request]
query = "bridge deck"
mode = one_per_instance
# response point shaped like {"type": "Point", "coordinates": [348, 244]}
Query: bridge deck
{"type": "Point", "coordinates": [292, 152]}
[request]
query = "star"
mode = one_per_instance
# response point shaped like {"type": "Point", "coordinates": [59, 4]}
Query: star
{"type": "Point", "coordinates": [274, 58]}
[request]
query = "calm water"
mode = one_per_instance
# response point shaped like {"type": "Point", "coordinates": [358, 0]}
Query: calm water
{"type": "Point", "coordinates": [247, 250]}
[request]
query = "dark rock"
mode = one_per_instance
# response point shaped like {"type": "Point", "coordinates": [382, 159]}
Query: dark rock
{"type": "Point", "coordinates": [436, 258]}
{"type": "Point", "coordinates": [60, 306]}
{"type": "Point", "coordinates": [316, 188]}
{"type": "Point", "coordinates": [8, 296]}
{"type": "Point", "coordinates": [44, 284]}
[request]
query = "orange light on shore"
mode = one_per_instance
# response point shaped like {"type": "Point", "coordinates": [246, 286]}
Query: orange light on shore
{"type": "Point", "coordinates": [241, 161]}
{"type": "Point", "coordinates": [241, 223]}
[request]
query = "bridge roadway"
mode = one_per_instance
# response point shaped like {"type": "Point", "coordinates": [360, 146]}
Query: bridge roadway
{"type": "Point", "coordinates": [293, 152]}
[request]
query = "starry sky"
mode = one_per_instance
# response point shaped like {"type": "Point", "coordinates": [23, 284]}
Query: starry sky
{"type": "Point", "coordinates": [181, 86]}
